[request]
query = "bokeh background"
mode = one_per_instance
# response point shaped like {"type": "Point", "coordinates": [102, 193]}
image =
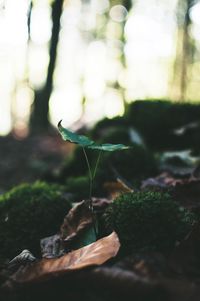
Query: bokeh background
{"type": "Point", "coordinates": [81, 60]}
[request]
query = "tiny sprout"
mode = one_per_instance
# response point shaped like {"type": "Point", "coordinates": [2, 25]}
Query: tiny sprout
{"type": "Point", "coordinates": [86, 143]}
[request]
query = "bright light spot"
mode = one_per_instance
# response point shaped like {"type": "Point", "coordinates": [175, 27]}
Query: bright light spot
{"type": "Point", "coordinates": [118, 13]}
{"type": "Point", "coordinates": [38, 63]}
{"type": "Point", "coordinates": [147, 39]}
{"type": "Point", "coordinates": [41, 32]}
{"type": "Point", "coordinates": [113, 68]}
{"type": "Point", "coordinates": [114, 30]}
{"type": "Point", "coordinates": [100, 6]}
{"type": "Point", "coordinates": [72, 3]}
{"type": "Point", "coordinates": [146, 82]}
{"type": "Point", "coordinates": [84, 66]}
{"type": "Point", "coordinates": [12, 29]}
{"type": "Point", "coordinates": [98, 87]}
{"type": "Point", "coordinates": [2, 6]}
{"type": "Point", "coordinates": [5, 116]}
{"type": "Point", "coordinates": [98, 48]}
{"type": "Point", "coordinates": [71, 15]}
{"type": "Point", "coordinates": [95, 65]}
{"type": "Point", "coordinates": [195, 13]}
{"type": "Point", "coordinates": [95, 109]}
{"type": "Point", "coordinates": [114, 48]}
{"type": "Point", "coordinates": [65, 105]}
{"type": "Point", "coordinates": [13, 39]}
{"type": "Point", "coordinates": [113, 103]}
{"type": "Point", "coordinates": [22, 103]}
{"type": "Point", "coordinates": [122, 78]}
{"type": "Point", "coordinates": [195, 31]}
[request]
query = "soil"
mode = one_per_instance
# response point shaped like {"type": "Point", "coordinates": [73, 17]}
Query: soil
{"type": "Point", "coordinates": [29, 159]}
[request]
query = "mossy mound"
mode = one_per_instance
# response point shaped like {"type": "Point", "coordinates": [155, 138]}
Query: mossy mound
{"type": "Point", "coordinates": [134, 165]}
{"type": "Point", "coordinates": [28, 213]}
{"type": "Point", "coordinates": [101, 127]}
{"type": "Point", "coordinates": [148, 221]}
{"type": "Point", "coordinates": [115, 135]}
{"type": "Point", "coordinates": [157, 120]}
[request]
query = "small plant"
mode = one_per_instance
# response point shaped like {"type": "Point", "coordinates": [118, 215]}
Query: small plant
{"type": "Point", "coordinates": [29, 212]}
{"type": "Point", "coordinates": [86, 143]}
{"type": "Point", "coordinates": [148, 221]}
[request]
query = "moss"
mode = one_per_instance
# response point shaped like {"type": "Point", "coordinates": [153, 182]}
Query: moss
{"type": "Point", "coordinates": [156, 120]}
{"type": "Point", "coordinates": [134, 164]}
{"type": "Point", "coordinates": [117, 134]}
{"type": "Point", "coordinates": [102, 126]}
{"type": "Point", "coordinates": [166, 114]}
{"type": "Point", "coordinates": [79, 187]}
{"type": "Point", "coordinates": [148, 221]}
{"type": "Point", "coordinates": [28, 213]}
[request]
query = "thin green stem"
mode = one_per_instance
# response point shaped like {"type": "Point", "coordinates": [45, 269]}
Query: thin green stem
{"type": "Point", "coordinates": [91, 175]}
{"type": "Point", "coordinates": [88, 164]}
{"type": "Point", "coordinates": [90, 193]}
{"type": "Point", "coordinates": [91, 178]}
{"type": "Point", "coordinates": [96, 165]}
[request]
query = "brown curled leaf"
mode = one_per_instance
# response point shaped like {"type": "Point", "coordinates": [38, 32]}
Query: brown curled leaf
{"type": "Point", "coordinates": [92, 255]}
{"type": "Point", "coordinates": [76, 221]}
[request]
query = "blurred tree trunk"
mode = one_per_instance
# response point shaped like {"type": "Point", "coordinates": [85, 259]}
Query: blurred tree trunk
{"type": "Point", "coordinates": [39, 117]}
{"type": "Point", "coordinates": [128, 4]}
{"type": "Point", "coordinates": [185, 49]}
{"type": "Point", "coordinates": [186, 52]}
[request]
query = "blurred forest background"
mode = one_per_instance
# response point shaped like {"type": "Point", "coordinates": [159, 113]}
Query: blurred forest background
{"type": "Point", "coordinates": [81, 60]}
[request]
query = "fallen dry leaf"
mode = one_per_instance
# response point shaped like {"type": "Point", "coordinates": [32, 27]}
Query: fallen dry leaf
{"type": "Point", "coordinates": [99, 204]}
{"type": "Point", "coordinates": [76, 222]}
{"type": "Point", "coordinates": [114, 189]}
{"type": "Point", "coordinates": [94, 254]}
{"type": "Point", "coordinates": [163, 180]}
{"type": "Point", "coordinates": [184, 191]}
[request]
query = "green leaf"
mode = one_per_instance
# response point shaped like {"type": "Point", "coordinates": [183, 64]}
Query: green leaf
{"type": "Point", "coordinates": [86, 142]}
{"type": "Point", "coordinates": [108, 147]}
{"type": "Point", "coordinates": [74, 138]}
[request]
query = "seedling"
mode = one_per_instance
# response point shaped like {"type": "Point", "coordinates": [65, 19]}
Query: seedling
{"type": "Point", "coordinates": [86, 143]}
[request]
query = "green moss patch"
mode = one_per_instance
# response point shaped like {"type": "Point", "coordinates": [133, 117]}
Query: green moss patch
{"type": "Point", "coordinates": [157, 120]}
{"type": "Point", "coordinates": [29, 212]}
{"type": "Point", "coordinates": [148, 221]}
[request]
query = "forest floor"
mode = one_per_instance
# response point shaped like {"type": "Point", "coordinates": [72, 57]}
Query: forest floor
{"type": "Point", "coordinates": [31, 158]}
{"type": "Point", "coordinates": [99, 272]}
